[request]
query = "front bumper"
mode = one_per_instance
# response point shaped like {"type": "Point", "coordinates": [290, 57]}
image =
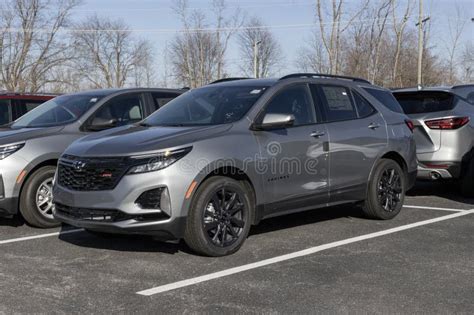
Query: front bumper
{"type": "Point", "coordinates": [123, 199]}
{"type": "Point", "coordinates": [171, 229]}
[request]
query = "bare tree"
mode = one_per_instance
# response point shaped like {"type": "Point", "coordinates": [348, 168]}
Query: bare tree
{"type": "Point", "coordinates": [331, 36]}
{"type": "Point", "coordinates": [467, 63]}
{"type": "Point", "coordinates": [269, 52]}
{"type": "Point", "coordinates": [312, 56]}
{"type": "Point", "coordinates": [456, 28]}
{"type": "Point", "coordinates": [399, 29]}
{"type": "Point", "coordinates": [225, 29]}
{"type": "Point", "coordinates": [107, 54]}
{"type": "Point", "coordinates": [195, 53]}
{"type": "Point", "coordinates": [31, 47]}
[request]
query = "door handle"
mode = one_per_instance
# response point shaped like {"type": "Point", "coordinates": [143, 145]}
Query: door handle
{"type": "Point", "coordinates": [373, 126]}
{"type": "Point", "coordinates": [317, 134]}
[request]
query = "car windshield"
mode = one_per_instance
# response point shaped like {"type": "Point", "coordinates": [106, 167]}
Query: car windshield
{"type": "Point", "coordinates": [212, 105]}
{"type": "Point", "coordinates": [425, 102]}
{"type": "Point", "coordinates": [58, 111]}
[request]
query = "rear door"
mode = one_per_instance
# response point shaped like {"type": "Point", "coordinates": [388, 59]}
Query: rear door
{"type": "Point", "coordinates": [357, 134]}
{"type": "Point", "coordinates": [422, 106]}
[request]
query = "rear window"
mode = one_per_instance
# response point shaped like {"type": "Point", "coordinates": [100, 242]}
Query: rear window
{"type": "Point", "coordinates": [386, 98]}
{"type": "Point", "coordinates": [425, 102]}
{"type": "Point", "coordinates": [466, 92]}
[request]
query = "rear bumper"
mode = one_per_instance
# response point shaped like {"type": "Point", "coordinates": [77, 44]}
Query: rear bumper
{"type": "Point", "coordinates": [439, 170]}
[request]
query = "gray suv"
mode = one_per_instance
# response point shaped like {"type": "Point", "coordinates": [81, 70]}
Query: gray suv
{"type": "Point", "coordinates": [31, 146]}
{"type": "Point", "coordinates": [444, 132]}
{"type": "Point", "coordinates": [218, 159]}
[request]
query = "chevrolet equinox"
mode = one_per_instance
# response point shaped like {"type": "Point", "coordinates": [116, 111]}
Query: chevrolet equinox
{"type": "Point", "coordinates": [219, 159]}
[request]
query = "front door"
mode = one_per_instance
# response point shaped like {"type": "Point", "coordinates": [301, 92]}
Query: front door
{"type": "Point", "coordinates": [293, 161]}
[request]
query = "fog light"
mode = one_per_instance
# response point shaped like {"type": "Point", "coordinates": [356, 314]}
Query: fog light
{"type": "Point", "coordinates": [155, 199]}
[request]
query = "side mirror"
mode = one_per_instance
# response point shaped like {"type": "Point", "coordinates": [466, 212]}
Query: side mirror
{"type": "Point", "coordinates": [275, 121]}
{"type": "Point", "coordinates": [99, 124]}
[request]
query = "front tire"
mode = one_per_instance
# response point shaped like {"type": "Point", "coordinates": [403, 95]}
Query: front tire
{"type": "Point", "coordinates": [386, 191]}
{"type": "Point", "coordinates": [36, 204]}
{"type": "Point", "coordinates": [220, 217]}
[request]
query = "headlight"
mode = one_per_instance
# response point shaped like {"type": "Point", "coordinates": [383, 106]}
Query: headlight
{"type": "Point", "coordinates": [151, 163]}
{"type": "Point", "coordinates": [7, 150]}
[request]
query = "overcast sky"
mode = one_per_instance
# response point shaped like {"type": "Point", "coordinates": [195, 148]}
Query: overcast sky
{"type": "Point", "coordinates": [154, 19]}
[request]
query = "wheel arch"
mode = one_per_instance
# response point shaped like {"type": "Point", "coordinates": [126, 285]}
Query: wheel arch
{"type": "Point", "coordinates": [32, 169]}
{"type": "Point", "coordinates": [233, 172]}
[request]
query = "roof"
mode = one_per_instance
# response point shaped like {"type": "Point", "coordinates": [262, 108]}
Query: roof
{"type": "Point", "coordinates": [247, 82]}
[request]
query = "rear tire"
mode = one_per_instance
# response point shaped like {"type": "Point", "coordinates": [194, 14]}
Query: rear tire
{"type": "Point", "coordinates": [386, 191]}
{"type": "Point", "coordinates": [467, 180]}
{"type": "Point", "coordinates": [38, 189]}
{"type": "Point", "coordinates": [219, 218]}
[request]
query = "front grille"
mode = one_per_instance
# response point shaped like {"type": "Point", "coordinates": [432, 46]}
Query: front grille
{"type": "Point", "coordinates": [90, 174]}
{"type": "Point", "coordinates": [84, 214]}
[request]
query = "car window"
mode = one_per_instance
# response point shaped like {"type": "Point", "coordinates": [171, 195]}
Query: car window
{"type": "Point", "coordinates": [386, 98]}
{"type": "Point", "coordinates": [59, 111]}
{"type": "Point", "coordinates": [123, 110]}
{"type": "Point", "coordinates": [338, 105]}
{"type": "Point", "coordinates": [425, 102]}
{"type": "Point", "coordinates": [466, 92]}
{"type": "Point", "coordinates": [364, 108]}
{"type": "Point", "coordinates": [294, 100]}
{"type": "Point", "coordinates": [160, 99]}
{"type": "Point", "coordinates": [5, 112]}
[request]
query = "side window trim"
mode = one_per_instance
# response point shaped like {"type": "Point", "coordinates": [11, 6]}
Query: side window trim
{"type": "Point", "coordinates": [261, 115]}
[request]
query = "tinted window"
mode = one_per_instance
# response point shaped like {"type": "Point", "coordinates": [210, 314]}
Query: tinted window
{"type": "Point", "coordinates": [161, 99]}
{"type": "Point", "coordinates": [466, 92]}
{"type": "Point", "coordinates": [5, 112]}
{"type": "Point", "coordinates": [296, 101]}
{"type": "Point", "coordinates": [338, 103]}
{"type": "Point", "coordinates": [386, 98]}
{"type": "Point", "coordinates": [210, 105]}
{"type": "Point", "coordinates": [363, 106]}
{"type": "Point", "coordinates": [425, 102]}
{"type": "Point", "coordinates": [58, 111]}
{"type": "Point", "coordinates": [123, 110]}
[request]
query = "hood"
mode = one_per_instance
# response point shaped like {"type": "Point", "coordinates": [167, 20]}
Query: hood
{"type": "Point", "coordinates": [9, 135]}
{"type": "Point", "coordinates": [137, 140]}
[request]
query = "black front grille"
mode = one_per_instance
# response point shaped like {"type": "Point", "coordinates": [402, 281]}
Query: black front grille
{"type": "Point", "coordinates": [90, 174]}
{"type": "Point", "coordinates": [100, 215]}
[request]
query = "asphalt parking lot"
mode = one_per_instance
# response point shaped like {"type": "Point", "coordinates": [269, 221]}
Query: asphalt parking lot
{"type": "Point", "coordinates": [328, 260]}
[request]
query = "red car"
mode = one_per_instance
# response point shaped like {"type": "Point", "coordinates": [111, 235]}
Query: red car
{"type": "Point", "coordinates": [14, 105]}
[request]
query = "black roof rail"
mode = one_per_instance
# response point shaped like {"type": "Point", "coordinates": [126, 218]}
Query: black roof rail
{"type": "Point", "coordinates": [228, 79]}
{"type": "Point", "coordinates": [322, 75]}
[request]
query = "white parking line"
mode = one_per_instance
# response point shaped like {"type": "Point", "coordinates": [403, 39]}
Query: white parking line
{"type": "Point", "coordinates": [34, 237]}
{"type": "Point", "coordinates": [306, 252]}
{"type": "Point", "coordinates": [434, 208]}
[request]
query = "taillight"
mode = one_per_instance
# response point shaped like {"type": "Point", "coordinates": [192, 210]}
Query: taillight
{"type": "Point", "coordinates": [410, 124]}
{"type": "Point", "coordinates": [447, 123]}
